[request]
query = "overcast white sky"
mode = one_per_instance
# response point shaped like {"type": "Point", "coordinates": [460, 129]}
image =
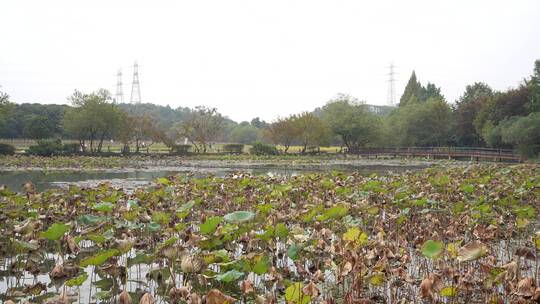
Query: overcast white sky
{"type": "Point", "coordinates": [262, 58]}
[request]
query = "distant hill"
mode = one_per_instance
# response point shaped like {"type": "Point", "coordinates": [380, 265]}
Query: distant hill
{"type": "Point", "coordinates": [165, 115]}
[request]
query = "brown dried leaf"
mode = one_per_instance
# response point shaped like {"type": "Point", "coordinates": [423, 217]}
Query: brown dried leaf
{"type": "Point", "coordinates": [215, 296]}
{"type": "Point", "coordinates": [426, 291]}
{"type": "Point", "coordinates": [311, 290]}
{"type": "Point", "coordinates": [526, 288]}
{"type": "Point", "coordinates": [57, 272]}
{"type": "Point", "coordinates": [147, 299]}
{"type": "Point", "coordinates": [124, 298]}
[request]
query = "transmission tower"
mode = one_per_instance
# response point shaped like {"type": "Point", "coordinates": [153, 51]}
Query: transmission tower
{"type": "Point", "coordinates": [119, 87]}
{"type": "Point", "coordinates": [135, 87]}
{"type": "Point", "coordinates": [391, 98]}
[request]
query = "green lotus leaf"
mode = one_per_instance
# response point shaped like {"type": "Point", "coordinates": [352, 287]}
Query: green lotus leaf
{"type": "Point", "coordinates": [432, 249]}
{"type": "Point", "coordinates": [262, 264]}
{"type": "Point", "coordinates": [161, 217]}
{"type": "Point", "coordinates": [229, 276]}
{"type": "Point", "coordinates": [210, 225]}
{"type": "Point", "coordinates": [78, 281]}
{"type": "Point", "coordinates": [292, 252]}
{"type": "Point", "coordinates": [468, 188]}
{"type": "Point", "coordinates": [355, 235]}
{"type": "Point", "coordinates": [99, 258]}
{"type": "Point", "coordinates": [154, 227]}
{"type": "Point", "coordinates": [294, 294]}
{"type": "Point", "coordinates": [103, 207]}
{"type": "Point", "coordinates": [55, 232]}
{"type": "Point", "coordinates": [90, 219]}
{"type": "Point", "coordinates": [281, 231]}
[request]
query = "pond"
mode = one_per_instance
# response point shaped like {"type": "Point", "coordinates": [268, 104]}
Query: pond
{"type": "Point", "coordinates": [130, 179]}
{"type": "Point", "coordinates": [386, 238]}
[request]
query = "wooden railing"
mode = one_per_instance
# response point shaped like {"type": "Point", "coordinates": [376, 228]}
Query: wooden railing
{"type": "Point", "coordinates": [443, 152]}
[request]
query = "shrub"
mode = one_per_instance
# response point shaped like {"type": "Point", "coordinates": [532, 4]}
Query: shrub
{"type": "Point", "coordinates": [6, 149]}
{"type": "Point", "coordinates": [233, 148]}
{"type": "Point", "coordinates": [46, 147]}
{"type": "Point", "coordinates": [180, 149]}
{"type": "Point", "coordinates": [259, 148]}
{"type": "Point", "coordinates": [69, 149]}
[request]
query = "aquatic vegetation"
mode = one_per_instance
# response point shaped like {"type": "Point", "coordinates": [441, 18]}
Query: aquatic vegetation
{"type": "Point", "coordinates": [444, 234]}
{"type": "Point", "coordinates": [17, 162]}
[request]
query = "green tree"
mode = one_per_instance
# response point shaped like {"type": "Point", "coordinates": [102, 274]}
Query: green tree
{"type": "Point", "coordinates": [466, 109]}
{"type": "Point", "coordinates": [534, 84]}
{"type": "Point", "coordinates": [350, 119]}
{"type": "Point", "coordinates": [38, 127]}
{"type": "Point", "coordinates": [415, 93]}
{"type": "Point", "coordinates": [258, 123]}
{"type": "Point", "coordinates": [125, 132]}
{"type": "Point", "coordinates": [91, 119]}
{"type": "Point", "coordinates": [412, 91]}
{"type": "Point", "coordinates": [502, 106]}
{"type": "Point", "coordinates": [523, 133]}
{"type": "Point", "coordinates": [431, 91]}
{"type": "Point", "coordinates": [426, 124]}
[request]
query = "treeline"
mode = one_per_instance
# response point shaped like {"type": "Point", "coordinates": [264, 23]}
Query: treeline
{"type": "Point", "coordinates": [481, 117]}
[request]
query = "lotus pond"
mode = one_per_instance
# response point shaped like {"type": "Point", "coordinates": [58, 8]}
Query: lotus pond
{"type": "Point", "coordinates": [131, 172]}
{"type": "Point", "coordinates": [453, 234]}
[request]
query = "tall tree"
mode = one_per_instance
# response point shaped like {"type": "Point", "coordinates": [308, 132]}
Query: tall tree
{"type": "Point", "coordinates": [421, 124]}
{"type": "Point", "coordinates": [350, 119]}
{"type": "Point", "coordinates": [92, 118]}
{"type": "Point", "coordinates": [466, 109]}
{"type": "Point", "coordinates": [534, 85]}
{"type": "Point", "coordinates": [502, 106]}
{"type": "Point", "coordinates": [412, 91]}
{"type": "Point", "coordinates": [431, 91]}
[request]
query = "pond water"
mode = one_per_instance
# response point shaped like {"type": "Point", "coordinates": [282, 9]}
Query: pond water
{"type": "Point", "coordinates": [133, 178]}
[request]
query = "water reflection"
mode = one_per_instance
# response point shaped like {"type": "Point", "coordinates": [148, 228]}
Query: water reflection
{"type": "Point", "coordinates": [129, 178]}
